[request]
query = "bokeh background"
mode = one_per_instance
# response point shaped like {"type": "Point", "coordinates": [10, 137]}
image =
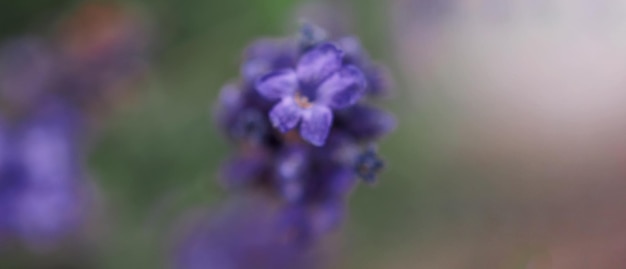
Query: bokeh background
{"type": "Point", "coordinates": [510, 151]}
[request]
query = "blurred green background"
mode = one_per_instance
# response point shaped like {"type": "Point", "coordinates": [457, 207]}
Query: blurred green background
{"type": "Point", "coordinates": [158, 155]}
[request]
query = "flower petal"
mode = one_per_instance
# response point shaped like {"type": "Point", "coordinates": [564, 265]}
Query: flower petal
{"type": "Point", "coordinates": [344, 88]}
{"type": "Point", "coordinates": [318, 64]}
{"type": "Point", "coordinates": [228, 105]}
{"type": "Point", "coordinates": [285, 115]}
{"type": "Point", "coordinates": [316, 123]}
{"type": "Point", "coordinates": [277, 84]}
{"type": "Point", "coordinates": [364, 122]}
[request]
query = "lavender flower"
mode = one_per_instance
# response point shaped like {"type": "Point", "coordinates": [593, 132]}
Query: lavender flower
{"type": "Point", "coordinates": [319, 84]}
{"type": "Point", "coordinates": [379, 81]}
{"type": "Point", "coordinates": [50, 205]}
{"type": "Point", "coordinates": [322, 89]}
{"type": "Point", "coordinates": [365, 123]}
{"type": "Point", "coordinates": [308, 83]}
{"type": "Point", "coordinates": [42, 191]}
{"type": "Point", "coordinates": [241, 115]}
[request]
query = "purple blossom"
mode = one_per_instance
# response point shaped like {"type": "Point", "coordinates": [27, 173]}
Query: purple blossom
{"type": "Point", "coordinates": [320, 91]}
{"type": "Point", "coordinates": [365, 123]}
{"type": "Point", "coordinates": [42, 190]}
{"type": "Point", "coordinates": [323, 90]}
{"type": "Point", "coordinates": [46, 216]}
{"type": "Point", "coordinates": [49, 145]}
{"type": "Point", "coordinates": [240, 114]}
{"type": "Point", "coordinates": [379, 81]}
{"type": "Point", "coordinates": [50, 207]}
{"type": "Point", "coordinates": [245, 234]}
{"type": "Point", "coordinates": [308, 94]}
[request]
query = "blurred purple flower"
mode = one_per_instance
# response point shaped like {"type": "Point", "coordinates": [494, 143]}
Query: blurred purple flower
{"type": "Point", "coordinates": [47, 216]}
{"type": "Point", "coordinates": [379, 82]}
{"type": "Point", "coordinates": [365, 123]}
{"type": "Point", "coordinates": [322, 88]}
{"type": "Point", "coordinates": [246, 234]}
{"type": "Point", "coordinates": [41, 178]}
{"type": "Point", "coordinates": [240, 114]}
{"type": "Point", "coordinates": [319, 84]}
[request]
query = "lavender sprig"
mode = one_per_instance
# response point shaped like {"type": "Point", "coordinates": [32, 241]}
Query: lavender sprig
{"type": "Point", "coordinates": [302, 121]}
{"type": "Point", "coordinates": [304, 125]}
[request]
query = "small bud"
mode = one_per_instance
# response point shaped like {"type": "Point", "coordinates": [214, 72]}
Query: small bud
{"type": "Point", "coordinates": [368, 165]}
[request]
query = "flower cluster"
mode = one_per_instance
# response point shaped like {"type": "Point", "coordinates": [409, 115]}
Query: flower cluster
{"type": "Point", "coordinates": [47, 92]}
{"type": "Point", "coordinates": [303, 121]}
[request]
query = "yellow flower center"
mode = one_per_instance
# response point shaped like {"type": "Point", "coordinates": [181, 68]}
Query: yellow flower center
{"type": "Point", "coordinates": [302, 100]}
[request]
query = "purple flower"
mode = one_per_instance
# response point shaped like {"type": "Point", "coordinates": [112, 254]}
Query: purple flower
{"type": "Point", "coordinates": [246, 234]}
{"type": "Point", "coordinates": [241, 114]}
{"type": "Point", "coordinates": [365, 123]}
{"type": "Point", "coordinates": [308, 174]}
{"type": "Point", "coordinates": [308, 94]}
{"type": "Point", "coordinates": [50, 205]}
{"type": "Point", "coordinates": [45, 216]}
{"type": "Point", "coordinates": [49, 145]}
{"type": "Point", "coordinates": [41, 182]}
{"type": "Point", "coordinates": [379, 81]}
